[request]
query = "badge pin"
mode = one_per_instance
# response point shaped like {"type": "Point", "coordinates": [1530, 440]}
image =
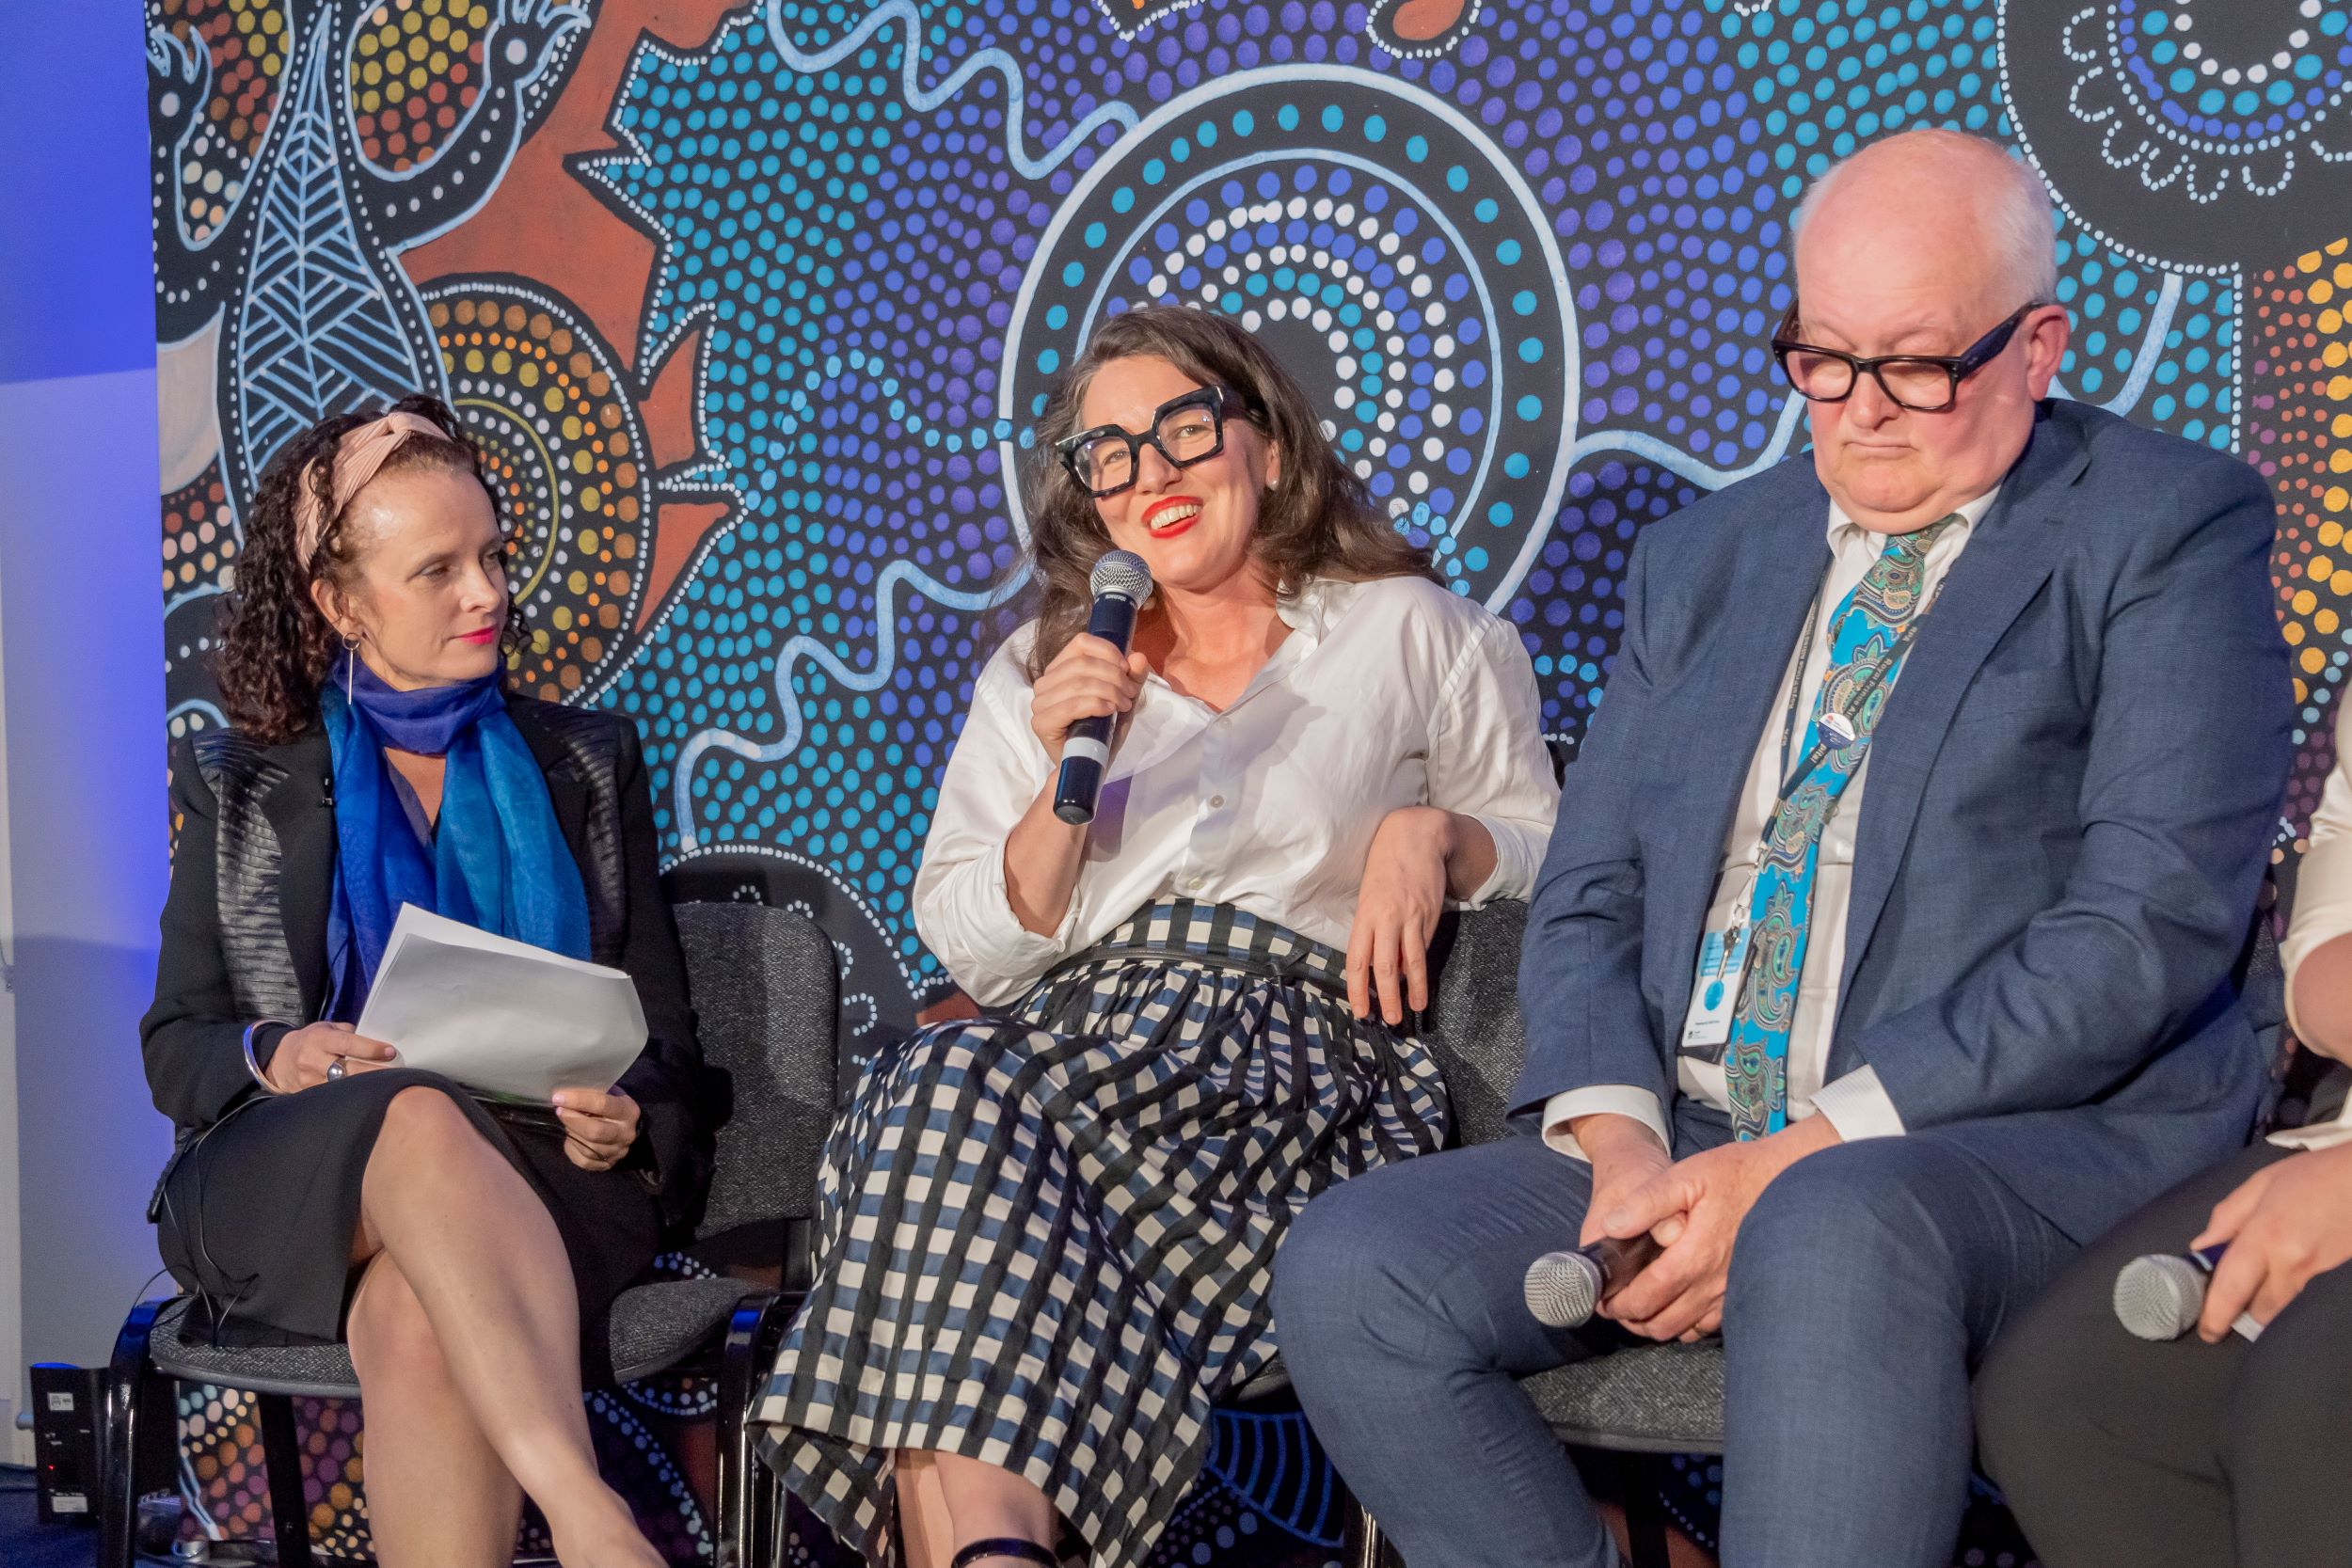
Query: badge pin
{"type": "Point", "coordinates": [1837, 729]}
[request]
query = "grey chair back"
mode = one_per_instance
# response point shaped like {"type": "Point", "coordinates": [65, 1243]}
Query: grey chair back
{"type": "Point", "coordinates": [765, 987]}
{"type": "Point", "coordinates": [1473, 1026]}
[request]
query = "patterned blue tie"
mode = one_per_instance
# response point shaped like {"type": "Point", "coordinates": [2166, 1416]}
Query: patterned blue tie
{"type": "Point", "coordinates": [1867, 649]}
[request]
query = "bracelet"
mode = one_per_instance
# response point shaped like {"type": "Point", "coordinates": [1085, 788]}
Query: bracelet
{"type": "Point", "coordinates": [252, 1065]}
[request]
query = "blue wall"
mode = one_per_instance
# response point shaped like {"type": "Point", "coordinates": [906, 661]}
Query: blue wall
{"type": "Point", "coordinates": [76, 252]}
{"type": "Point", "coordinates": [83, 658]}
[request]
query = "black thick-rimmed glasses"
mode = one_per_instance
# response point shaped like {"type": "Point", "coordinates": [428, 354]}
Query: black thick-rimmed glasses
{"type": "Point", "coordinates": [1184, 430]}
{"type": "Point", "coordinates": [1923, 382]}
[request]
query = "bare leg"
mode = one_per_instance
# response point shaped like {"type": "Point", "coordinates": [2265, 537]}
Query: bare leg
{"type": "Point", "coordinates": [924, 1526]}
{"type": "Point", "coordinates": [482, 1257]}
{"type": "Point", "coordinates": [437, 1494]}
{"type": "Point", "coordinates": [979, 1502]}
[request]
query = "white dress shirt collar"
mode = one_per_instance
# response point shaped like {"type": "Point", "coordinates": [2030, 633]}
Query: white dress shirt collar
{"type": "Point", "coordinates": [1844, 533]}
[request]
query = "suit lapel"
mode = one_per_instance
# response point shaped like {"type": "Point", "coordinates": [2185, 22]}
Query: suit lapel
{"type": "Point", "coordinates": [301, 814]}
{"type": "Point", "coordinates": [566, 790]}
{"type": "Point", "coordinates": [2008, 557]}
{"type": "Point", "coordinates": [1781, 559]}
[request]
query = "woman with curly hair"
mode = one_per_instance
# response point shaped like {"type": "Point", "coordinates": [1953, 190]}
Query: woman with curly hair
{"type": "Point", "coordinates": [318, 1191]}
{"type": "Point", "coordinates": [1045, 1236]}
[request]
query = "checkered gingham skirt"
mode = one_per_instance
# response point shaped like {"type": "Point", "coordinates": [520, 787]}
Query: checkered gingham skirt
{"type": "Point", "coordinates": [1044, 1241]}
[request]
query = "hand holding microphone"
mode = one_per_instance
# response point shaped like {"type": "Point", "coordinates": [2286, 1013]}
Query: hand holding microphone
{"type": "Point", "coordinates": [1564, 1289]}
{"type": "Point", "coordinates": [2287, 1222]}
{"type": "Point", "coordinates": [1094, 680]}
{"type": "Point", "coordinates": [2162, 1295]}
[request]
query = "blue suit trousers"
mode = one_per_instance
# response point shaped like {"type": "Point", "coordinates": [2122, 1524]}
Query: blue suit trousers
{"type": "Point", "coordinates": [1865, 1284]}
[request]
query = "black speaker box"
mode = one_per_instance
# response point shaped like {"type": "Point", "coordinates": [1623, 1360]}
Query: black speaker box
{"type": "Point", "coordinates": [68, 1416]}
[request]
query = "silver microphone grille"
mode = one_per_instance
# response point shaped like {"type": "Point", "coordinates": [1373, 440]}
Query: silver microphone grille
{"type": "Point", "coordinates": [1561, 1290]}
{"type": "Point", "coordinates": [2160, 1297]}
{"type": "Point", "coordinates": [1123, 572]}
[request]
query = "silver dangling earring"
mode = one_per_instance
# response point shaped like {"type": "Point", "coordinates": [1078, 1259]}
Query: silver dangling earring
{"type": "Point", "coordinates": [351, 658]}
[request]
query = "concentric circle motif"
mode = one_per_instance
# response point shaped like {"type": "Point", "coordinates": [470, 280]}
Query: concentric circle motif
{"type": "Point", "coordinates": [540, 391]}
{"type": "Point", "coordinates": [2174, 126]}
{"type": "Point", "coordinates": [1367, 233]}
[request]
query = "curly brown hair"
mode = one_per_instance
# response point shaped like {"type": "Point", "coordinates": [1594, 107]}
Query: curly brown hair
{"type": "Point", "coordinates": [1317, 520]}
{"type": "Point", "coordinates": [276, 648]}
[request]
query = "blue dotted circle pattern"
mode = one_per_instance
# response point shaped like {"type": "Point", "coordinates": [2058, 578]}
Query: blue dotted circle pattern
{"type": "Point", "coordinates": [843, 241]}
{"type": "Point", "coordinates": [2199, 82]}
{"type": "Point", "coordinates": [1372, 241]}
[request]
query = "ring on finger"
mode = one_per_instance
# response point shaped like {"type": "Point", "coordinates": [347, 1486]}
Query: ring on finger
{"type": "Point", "coordinates": [337, 1069]}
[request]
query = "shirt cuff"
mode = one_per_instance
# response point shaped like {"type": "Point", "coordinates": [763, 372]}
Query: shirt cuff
{"type": "Point", "coordinates": [990, 954]}
{"type": "Point", "coordinates": [1614, 1099]}
{"type": "Point", "coordinates": [1859, 1107]}
{"type": "Point", "coordinates": [1516, 861]}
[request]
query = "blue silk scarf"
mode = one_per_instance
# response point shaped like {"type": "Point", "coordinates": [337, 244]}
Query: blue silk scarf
{"type": "Point", "coordinates": [498, 861]}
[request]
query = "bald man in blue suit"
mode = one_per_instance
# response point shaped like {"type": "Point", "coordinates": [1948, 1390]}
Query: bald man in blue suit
{"type": "Point", "coordinates": [1886, 931]}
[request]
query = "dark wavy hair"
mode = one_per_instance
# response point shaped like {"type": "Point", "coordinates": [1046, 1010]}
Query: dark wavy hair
{"type": "Point", "coordinates": [276, 648]}
{"type": "Point", "coordinates": [1317, 520]}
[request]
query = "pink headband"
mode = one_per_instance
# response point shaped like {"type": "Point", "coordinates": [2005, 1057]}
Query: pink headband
{"type": "Point", "coordinates": [359, 456]}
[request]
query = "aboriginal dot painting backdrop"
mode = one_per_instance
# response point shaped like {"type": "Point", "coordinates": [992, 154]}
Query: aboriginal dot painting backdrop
{"type": "Point", "coordinates": [753, 304]}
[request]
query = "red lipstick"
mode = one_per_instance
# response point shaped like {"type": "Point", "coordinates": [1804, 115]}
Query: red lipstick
{"type": "Point", "coordinates": [1153, 513]}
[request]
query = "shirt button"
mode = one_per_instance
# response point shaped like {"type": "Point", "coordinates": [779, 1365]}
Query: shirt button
{"type": "Point", "coordinates": [1216, 800]}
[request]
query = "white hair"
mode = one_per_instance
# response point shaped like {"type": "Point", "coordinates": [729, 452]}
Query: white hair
{"type": "Point", "coordinates": [2017, 223]}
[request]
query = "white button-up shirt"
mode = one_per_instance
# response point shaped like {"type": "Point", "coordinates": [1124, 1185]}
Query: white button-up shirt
{"type": "Point", "coordinates": [1385, 694]}
{"type": "Point", "coordinates": [1855, 1105]}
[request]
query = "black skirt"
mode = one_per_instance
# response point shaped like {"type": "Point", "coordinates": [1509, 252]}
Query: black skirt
{"type": "Point", "coordinates": [257, 1215]}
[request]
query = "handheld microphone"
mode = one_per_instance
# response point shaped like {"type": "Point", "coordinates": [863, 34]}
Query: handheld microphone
{"type": "Point", "coordinates": [2161, 1296]}
{"type": "Point", "coordinates": [1122, 582]}
{"type": "Point", "coordinates": [1564, 1289]}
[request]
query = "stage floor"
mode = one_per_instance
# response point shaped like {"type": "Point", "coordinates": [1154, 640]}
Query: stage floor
{"type": "Point", "coordinates": [26, 1543]}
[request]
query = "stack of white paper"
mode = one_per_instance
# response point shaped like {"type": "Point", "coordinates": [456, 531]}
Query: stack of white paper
{"type": "Point", "coordinates": [501, 1016]}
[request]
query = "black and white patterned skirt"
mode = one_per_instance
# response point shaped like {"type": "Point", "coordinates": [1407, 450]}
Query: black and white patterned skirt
{"type": "Point", "coordinates": [1045, 1241]}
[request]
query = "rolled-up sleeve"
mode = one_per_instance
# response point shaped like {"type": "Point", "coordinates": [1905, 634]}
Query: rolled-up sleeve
{"type": "Point", "coordinates": [960, 907]}
{"type": "Point", "coordinates": [1488, 761]}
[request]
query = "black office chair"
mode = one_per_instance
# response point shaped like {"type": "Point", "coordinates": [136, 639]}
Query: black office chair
{"type": "Point", "coordinates": [764, 985]}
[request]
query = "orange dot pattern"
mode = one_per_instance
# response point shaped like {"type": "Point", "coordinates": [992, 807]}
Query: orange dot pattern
{"type": "Point", "coordinates": [2304, 413]}
{"type": "Point", "coordinates": [416, 68]}
{"type": "Point", "coordinates": [200, 537]}
{"type": "Point", "coordinates": [637, 1433]}
{"type": "Point", "coordinates": [221, 1437]}
{"type": "Point", "coordinates": [538, 393]}
{"type": "Point", "coordinates": [249, 43]}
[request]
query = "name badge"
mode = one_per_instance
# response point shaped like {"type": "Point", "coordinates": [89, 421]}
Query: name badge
{"type": "Point", "coordinates": [1715, 992]}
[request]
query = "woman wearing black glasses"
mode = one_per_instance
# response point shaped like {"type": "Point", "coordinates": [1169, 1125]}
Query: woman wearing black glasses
{"type": "Point", "coordinates": [1047, 1235]}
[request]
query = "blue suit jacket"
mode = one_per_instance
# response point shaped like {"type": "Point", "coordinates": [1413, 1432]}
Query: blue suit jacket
{"type": "Point", "coordinates": [2072, 792]}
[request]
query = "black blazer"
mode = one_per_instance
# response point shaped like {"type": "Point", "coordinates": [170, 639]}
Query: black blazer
{"type": "Point", "coordinates": [253, 872]}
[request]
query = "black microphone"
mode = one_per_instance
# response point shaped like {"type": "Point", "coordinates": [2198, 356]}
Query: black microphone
{"type": "Point", "coordinates": [1564, 1289]}
{"type": "Point", "coordinates": [2162, 1295]}
{"type": "Point", "coordinates": [1122, 582]}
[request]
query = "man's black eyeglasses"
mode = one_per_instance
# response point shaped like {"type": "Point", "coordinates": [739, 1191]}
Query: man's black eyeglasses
{"type": "Point", "coordinates": [1924, 383]}
{"type": "Point", "coordinates": [1184, 430]}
